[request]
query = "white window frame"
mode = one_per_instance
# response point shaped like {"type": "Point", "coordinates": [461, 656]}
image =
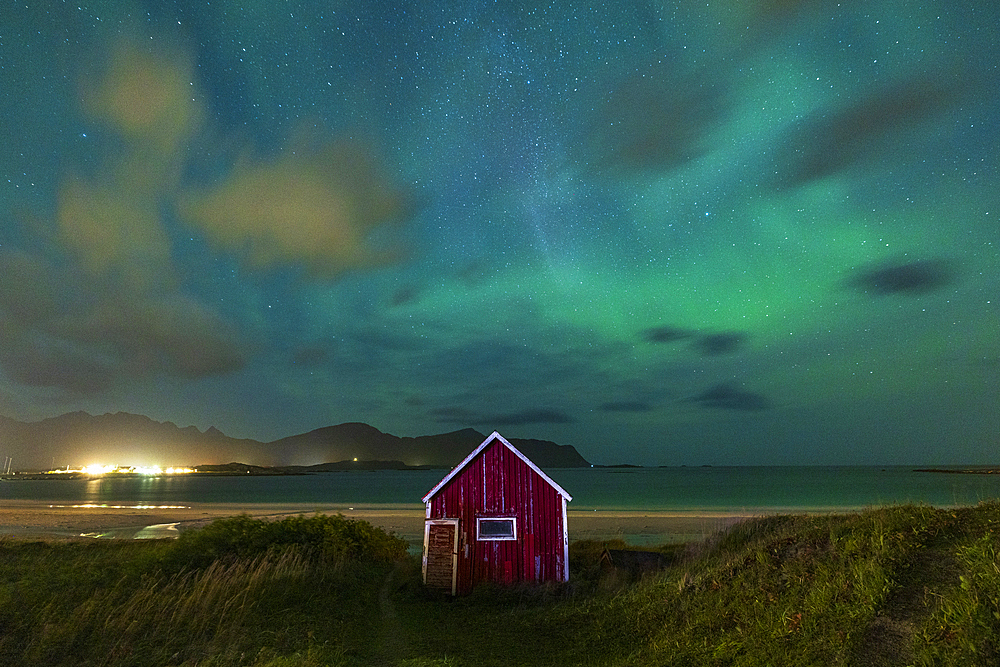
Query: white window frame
{"type": "Point", "coordinates": [497, 538]}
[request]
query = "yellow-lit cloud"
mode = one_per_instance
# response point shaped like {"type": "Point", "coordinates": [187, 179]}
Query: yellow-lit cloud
{"type": "Point", "coordinates": [149, 96]}
{"type": "Point", "coordinates": [114, 231]}
{"type": "Point", "coordinates": [114, 314]}
{"type": "Point", "coordinates": [126, 320]}
{"type": "Point", "coordinates": [112, 220]}
{"type": "Point", "coordinates": [315, 207]}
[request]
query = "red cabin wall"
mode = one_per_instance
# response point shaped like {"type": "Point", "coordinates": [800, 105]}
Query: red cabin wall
{"type": "Point", "coordinates": [498, 483]}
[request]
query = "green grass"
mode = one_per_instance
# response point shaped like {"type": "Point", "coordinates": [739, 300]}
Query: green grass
{"type": "Point", "coordinates": [908, 585]}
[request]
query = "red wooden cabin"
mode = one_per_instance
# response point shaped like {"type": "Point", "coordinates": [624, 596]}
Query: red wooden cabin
{"type": "Point", "coordinates": [495, 517]}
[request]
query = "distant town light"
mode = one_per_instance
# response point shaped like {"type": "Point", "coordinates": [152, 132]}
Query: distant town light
{"type": "Point", "coordinates": [101, 469]}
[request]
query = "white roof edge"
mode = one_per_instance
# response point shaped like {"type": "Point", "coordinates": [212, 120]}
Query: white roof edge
{"type": "Point", "coordinates": [495, 436]}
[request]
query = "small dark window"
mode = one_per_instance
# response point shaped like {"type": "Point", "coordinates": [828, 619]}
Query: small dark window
{"type": "Point", "coordinates": [497, 529]}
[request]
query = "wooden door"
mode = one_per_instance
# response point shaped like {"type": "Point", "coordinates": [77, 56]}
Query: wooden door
{"type": "Point", "coordinates": [441, 554]}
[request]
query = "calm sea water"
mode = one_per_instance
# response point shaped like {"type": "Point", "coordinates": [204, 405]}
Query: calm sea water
{"type": "Point", "coordinates": [709, 488]}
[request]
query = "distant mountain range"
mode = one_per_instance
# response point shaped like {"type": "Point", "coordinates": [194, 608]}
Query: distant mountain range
{"type": "Point", "coordinates": [78, 438]}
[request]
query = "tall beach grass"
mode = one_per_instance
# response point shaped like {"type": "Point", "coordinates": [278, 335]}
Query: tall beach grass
{"type": "Point", "coordinates": [896, 585]}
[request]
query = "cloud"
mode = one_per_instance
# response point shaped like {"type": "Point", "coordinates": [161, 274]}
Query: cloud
{"type": "Point", "coordinates": [311, 355]}
{"type": "Point", "coordinates": [626, 406]}
{"type": "Point", "coordinates": [719, 343]}
{"type": "Point", "coordinates": [146, 93]}
{"type": "Point", "coordinates": [316, 207]}
{"type": "Point", "coordinates": [534, 416]}
{"type": "Point", "coordinates": [745, 27]}
{"type": "Point", "coordinates": [461, 415]}
{"type": "Point", "coordinates": [173, 335]}
{"type": "Point", "coordinates": [825, 144]}
{"type": "Point", "coordinates": [32, 352]}
{"type": "Point", "coordinates": [375, 339]}
{"type": "Point", "coordinates": [455, 414]}
{"type": "Point", "coordinates": [59, 330]}
{"type": "Point", "coordinates": [666, 334]}
{"type": "Point", "coordinates": [728, 397]}
{"type": "Point", "coordinates": [658, 119]}
{"type": "Point", "coordinates": [114, 230]}
{"type": "Point", "coordinates": [28, 288]}
{"type": "Point", "coordinates": [108, 313]}
{"type": "Point", "coordinates": [37, 359]}
{"type": "Point", "coordinates": [111, 220]}
{"type": "Point", "coordinates": [707, 344]}
{"type": "Point", "coordinates": [117, 343]}
{"type": "Point", "coordinates": [404, 295]}
{"type": "Point", "coordinates": [316, 204]}
{"type": "Point", "coordinates": [910, 278]}
{"type": "Point", "coordinates": [110, 310]}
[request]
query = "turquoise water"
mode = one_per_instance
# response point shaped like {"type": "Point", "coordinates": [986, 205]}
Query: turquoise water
{"type": "Point", "coordinates": [709, 488]}
{"type": "Point", "coordinates": [803, 488]}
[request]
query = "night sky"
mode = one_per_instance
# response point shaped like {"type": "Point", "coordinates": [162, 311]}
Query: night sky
{"type": "Point", "coordinates": [759, 232]}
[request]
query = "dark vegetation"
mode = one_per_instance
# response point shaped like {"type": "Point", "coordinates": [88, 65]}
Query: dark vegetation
{"type": "Point", "coordinates": [906, 585]}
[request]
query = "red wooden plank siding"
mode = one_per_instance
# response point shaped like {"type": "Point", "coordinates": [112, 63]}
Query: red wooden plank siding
{"type": "Point", "coordinates": [498, 483]}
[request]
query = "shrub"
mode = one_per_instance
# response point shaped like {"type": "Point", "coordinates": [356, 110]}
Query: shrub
{"type": "Point", "coordinates": [331, 538]}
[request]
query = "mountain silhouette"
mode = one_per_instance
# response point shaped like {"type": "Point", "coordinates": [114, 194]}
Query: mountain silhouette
{"type": "Point", "coordinates": [77, 439]}
{"type": "Point", "coordinates": [364, 442]}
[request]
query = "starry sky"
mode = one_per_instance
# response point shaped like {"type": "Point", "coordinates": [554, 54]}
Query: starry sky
{"type": "Point", "coordinates": [665, 233]}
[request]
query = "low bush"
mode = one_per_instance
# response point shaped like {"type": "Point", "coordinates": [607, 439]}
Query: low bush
{"type": "Point", "coordinates": [329, 538]}
{"type": "Point", "coordinates": [299, 591]}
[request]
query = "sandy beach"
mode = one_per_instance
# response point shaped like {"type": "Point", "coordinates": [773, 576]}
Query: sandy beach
{"type": "Point", "coordinates": [32, 519]}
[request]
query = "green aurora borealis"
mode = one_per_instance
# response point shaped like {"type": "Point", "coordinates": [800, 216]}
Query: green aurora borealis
{"type": "Point", "coordinates": [668, 233]}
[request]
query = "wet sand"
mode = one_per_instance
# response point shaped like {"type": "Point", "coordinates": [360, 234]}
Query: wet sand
{"type": "Point", "coordinates": [33, 520]}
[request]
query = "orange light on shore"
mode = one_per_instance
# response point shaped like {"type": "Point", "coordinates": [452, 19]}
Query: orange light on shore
{"type": "Point", "coordinates": [98, 469]}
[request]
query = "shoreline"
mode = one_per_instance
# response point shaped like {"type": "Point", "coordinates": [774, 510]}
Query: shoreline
{"type": "Point", "coordinates": [29, 519]}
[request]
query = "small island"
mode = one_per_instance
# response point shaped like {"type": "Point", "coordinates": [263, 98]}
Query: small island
{"type": "Point", "coordinates": [962, 471]}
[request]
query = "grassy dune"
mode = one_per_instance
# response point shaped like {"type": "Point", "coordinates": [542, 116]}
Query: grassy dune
{"type": "Point", "coordinates": [892, 586]}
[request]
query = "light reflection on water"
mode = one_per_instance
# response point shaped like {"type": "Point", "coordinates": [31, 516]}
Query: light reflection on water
{"type": "Point", "coordinates": [143, 487]}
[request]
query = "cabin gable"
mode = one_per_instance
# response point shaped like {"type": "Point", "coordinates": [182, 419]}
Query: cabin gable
{"type": "Point", "coordinates": [510, 517]}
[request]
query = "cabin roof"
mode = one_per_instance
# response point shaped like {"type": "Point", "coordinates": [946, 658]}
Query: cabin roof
{"type": "Point", "coordinates": [468, 459]}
